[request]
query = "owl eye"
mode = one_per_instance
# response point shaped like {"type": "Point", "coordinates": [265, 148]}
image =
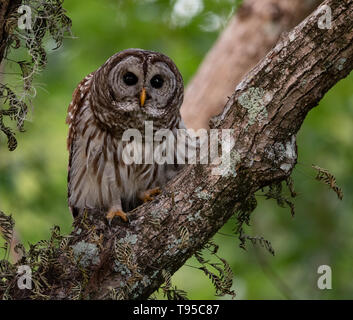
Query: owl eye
{"type": "Point", "coordinates": [157, 81]}
{"type": "Point", "coordinates": [130, 79]}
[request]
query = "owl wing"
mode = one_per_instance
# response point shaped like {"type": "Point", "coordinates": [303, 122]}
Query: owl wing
{"type": "Point", "coordinates": [75, 105]}
{"type": "Point", "coordinates": [78, 98]}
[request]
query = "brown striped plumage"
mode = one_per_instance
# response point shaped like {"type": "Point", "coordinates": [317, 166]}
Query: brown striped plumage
{"type": "Point", "coordinates": [104, 105]}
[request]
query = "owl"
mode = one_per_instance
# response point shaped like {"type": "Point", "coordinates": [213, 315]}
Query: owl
{"type": "Point", "coordinates": [131, 88]}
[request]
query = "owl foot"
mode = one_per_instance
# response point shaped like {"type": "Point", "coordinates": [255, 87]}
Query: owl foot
{"type": "Point", "coordinates": [116, 213]}
{"type": "Point", "coordinates": [149, 194]}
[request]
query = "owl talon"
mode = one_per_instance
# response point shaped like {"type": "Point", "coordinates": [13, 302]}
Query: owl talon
{"type": "Point", "coordinates": [149, 194]}
{"type": "Point", "coordinates": [118, 213]}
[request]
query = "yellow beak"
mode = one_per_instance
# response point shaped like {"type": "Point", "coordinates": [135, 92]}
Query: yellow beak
{"type": "Point", "coordinates": [142, 97]}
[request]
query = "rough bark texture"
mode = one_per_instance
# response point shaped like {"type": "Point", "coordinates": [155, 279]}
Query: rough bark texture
{"type": "Point", "coordinates": [252, 32]}
{"type": "Point", "coordinates": [266, 111]}
{"type": "Point", "coordinates": [4, 4]}
{"type": "Point", "coordinates": [7, 7]}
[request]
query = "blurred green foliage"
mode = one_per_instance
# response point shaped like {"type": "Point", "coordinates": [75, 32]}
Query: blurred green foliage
{"type": "Point", "coordinates": [33, 177]}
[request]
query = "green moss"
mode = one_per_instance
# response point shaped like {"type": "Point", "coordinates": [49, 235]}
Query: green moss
{"type": "Point", "coordinates": [341, 63]}
{"type": "Point", "coordinates": [86, 253]}
{"type": "Point", "coordinates": [202, 194]}
{"type": "Point", "coordinates": [121, 268]}
{"type": "Point", "coordinates": [129, 238]}
{"type": "Point", "coordinates": [252, 100]}
{"type": "Point", "coordinates": [229, 164]}
{"type": "Point", "coordinates": [195, 217]}
{"type": "Point", "coordinates": [283, 155]}
{"type": "Point", "coordinates": [158, 214]}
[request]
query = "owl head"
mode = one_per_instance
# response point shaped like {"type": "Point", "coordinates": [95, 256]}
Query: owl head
{"type": "Point", "coordinates": [135, 86]}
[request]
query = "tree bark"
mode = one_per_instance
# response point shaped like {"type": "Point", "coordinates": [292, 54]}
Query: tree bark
{"type": "Point", "coordinates": [251, 33]}
{"type": "Point", "coordinates": [265, 112]}
{"type": "Point", "coordinates": [7, 8]}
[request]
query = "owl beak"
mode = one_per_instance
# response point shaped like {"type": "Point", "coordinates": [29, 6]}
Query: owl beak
{"type": "Point", "coordinates": [142, 97]}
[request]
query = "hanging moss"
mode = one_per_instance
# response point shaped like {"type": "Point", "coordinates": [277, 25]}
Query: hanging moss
{"type": "Point", "coordinates": [48, 21]}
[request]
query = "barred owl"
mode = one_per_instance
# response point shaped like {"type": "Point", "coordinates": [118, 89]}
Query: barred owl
{"type": "Point", "coordinates": [130, 88]}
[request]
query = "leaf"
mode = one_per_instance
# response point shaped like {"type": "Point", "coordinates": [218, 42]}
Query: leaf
{"type": "Point", "coordinates": [167, 279]}
{"type": "Point", "coordinates": [199, 257]}
{"type": "Point", "coordinates": [275, 192]}
{"type": "Point", "coordinates": [327, 178]}
{"type": "Point", "coordinates": [185, 237]}
{"type": "Point", "coordinates": [6, 227]}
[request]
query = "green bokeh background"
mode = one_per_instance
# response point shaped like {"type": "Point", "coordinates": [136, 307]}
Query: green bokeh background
{"type": "Point", "coordinates": [33, 177]}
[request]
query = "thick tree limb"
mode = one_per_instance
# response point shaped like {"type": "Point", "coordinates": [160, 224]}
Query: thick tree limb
{"type": "Point", "coordinates": [290, 81]}
{"type": "Point", "coordinates": [251, 33]}
{"type": "Point", "coordinates": [266, 111]}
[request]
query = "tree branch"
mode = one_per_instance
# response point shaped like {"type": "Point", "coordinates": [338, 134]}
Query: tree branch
{"type": "Point", "coordinates": [7, 8]}
{"type": "Point", "coordinates": [265, 112]}
{"type": "Point", "coordinates": [251, 33]}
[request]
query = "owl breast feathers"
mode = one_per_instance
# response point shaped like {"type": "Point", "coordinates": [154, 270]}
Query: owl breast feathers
{"type": "Point", "coordinates": [130, 89]}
